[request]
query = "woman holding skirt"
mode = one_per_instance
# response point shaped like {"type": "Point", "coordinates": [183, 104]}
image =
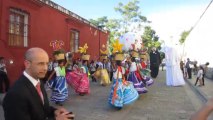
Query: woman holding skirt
{"type": "Point", "coordinates": [58, 84]}
{"type": "Point", "coordinates": [122, 92]}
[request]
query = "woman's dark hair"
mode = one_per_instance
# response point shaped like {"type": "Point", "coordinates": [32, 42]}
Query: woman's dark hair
{"type": "Point", "coordinates": [92, 62]}
{"type": "Point", "coordinates": [61, 61]}
{"type": "Point", "coordinates": [207, 63]}
{"type": "Point", "coordinates": [118, 62]}
{"type": "Point", "coordinates": [133, 59]}
{"type": "Point", "coordinates": [84, 61]}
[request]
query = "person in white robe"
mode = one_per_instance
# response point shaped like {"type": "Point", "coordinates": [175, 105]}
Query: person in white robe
{"type": "Point", "coordinates": [174, 76]}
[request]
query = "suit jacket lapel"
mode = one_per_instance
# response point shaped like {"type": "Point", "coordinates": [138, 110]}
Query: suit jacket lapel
{"type": "Point", "coordinates": [33, 90]}
{"type": "Point", "coordinates": [46, 101]}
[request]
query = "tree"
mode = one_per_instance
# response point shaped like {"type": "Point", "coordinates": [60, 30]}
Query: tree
{"type": "Point", "coordinates": [130, 14]}
{"type": "Point", "coordinates": [184, 35]}
{"type": "Point", "coordinates": [150, 39]}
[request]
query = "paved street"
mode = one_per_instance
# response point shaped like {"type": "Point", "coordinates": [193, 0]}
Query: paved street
{"type": "Point", "coordinates": [160, 103]}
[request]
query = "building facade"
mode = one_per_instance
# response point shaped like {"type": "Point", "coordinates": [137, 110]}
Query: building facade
{"type": "Point", "coordinates": [39, 23]}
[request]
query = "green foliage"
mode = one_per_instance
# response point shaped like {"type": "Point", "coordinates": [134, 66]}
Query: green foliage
{"type": "Point", "coordinates": [162, 55]}
{"type": "Point", "coordinates": [150, 39]}
{"type": "Point", "coordinates": [130, 15]}
{"type": "Point", "coordinates": [184, 35]}
{"type": "Point", "coordinates": [130, 10]}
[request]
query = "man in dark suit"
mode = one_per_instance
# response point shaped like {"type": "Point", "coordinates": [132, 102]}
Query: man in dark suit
{"type": "Point", "coordinates": [154, 62]}
{"type": "Point", "coordinates": [23, 101]}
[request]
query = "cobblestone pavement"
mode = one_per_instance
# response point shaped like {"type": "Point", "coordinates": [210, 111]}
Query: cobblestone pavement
{"type": "Point", "coordinates": [160, 103]}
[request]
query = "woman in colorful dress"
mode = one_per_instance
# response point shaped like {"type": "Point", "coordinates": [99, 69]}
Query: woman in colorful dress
{"type": "Point", "coordinates": [122, 91]}
{"type": "Point", "coordinates": [145, 72]}
{"type": "Point", "coordinates": [84, 87]}
{"type": "Point", "coordinates": [102, 74]}
{"type": "Point", "coordinates": [58, 84]}
{"type": "Point", "coordinates": [135, 77]}
{"type": "Point", "coordinates": [78, 79]}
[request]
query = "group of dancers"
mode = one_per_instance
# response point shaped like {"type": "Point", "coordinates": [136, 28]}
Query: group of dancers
{"type": "Point", "coordinates": [128, 82]}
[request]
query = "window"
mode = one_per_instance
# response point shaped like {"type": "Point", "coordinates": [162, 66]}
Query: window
{"type": "Point", "coordinates": [18, 28]}
{"type": "Point", "coordinates": [74, 40]}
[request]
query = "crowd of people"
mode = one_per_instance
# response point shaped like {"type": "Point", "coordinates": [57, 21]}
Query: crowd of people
{"type": "Point", "coordinates": [191, 67]}
{"type": "Point", "coordinates": [128, 76]}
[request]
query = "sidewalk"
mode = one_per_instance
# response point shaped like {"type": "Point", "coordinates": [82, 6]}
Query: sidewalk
{"type": "Point", "coordinates": [205, 91]}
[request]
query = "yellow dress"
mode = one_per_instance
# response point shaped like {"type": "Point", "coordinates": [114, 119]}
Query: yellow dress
{"type": "Point", "coordinates": [103, 76]}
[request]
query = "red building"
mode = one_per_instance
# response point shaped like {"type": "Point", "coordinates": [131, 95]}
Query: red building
{"type": "Point", "coordinates": [36, 23]}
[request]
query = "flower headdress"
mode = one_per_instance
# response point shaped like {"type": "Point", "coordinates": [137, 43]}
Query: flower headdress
{"type": "Point", "coordinates": [143, 49]}
{"type": "Point", "coordinates": [83, 51]}
{"type": "Point", "coordinates": [143, 52]}
{"type": "Point", "coordinates": [59, 54]}
{"type": "Point", "coordinates": [134, 51]}
{"type": "Point", "coordinates": [117, 47]}
{"type": "Point", "coordinates": [117, 50]}
{"type": "Point", "coordinates": [104, 52]}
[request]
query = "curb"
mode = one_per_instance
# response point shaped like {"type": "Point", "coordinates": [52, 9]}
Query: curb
{"type": "Point", "coordinates": [200, 94]}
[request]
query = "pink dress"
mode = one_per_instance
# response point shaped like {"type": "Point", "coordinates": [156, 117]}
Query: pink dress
{"type": "Point", "coordinates": [78, 81]}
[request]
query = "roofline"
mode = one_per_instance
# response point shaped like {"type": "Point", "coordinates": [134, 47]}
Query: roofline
{"type": "Point", "coordinates": [70, 13]}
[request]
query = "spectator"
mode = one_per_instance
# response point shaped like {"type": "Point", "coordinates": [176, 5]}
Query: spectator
{"type": "Point", "coordinates": [189, 68]}
{"type": "Point", "coordinates": [163, 63]}
{"type": "Point", "coordinates": [182, 66]}
{"type": "Point", "coordinates": [199, 76]}
{"type": "Point", "coordinates": [4, 81]}
{"type": "Point", "coordinates": [205, 68]}
{"type": "Point", "coordinates": [27, 99]}
{"type": "Point", "coordinates": [92, 68]}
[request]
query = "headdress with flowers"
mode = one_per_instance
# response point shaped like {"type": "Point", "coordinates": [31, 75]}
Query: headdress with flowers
{"type": "Point", "coordinates": [104, 52]}
{"type": "Point", "coordinates": [117, 47]}
{"type": "Point", "coordinates": [83, 51]}
{"type": "Point", "coordinates": [143, 52]}
{"type": "Point", "coordinates": [117, 50]}
{"type": "Point", "coordinates": [58, 52]}
{"type": "Point", "coordinates": [134, 51]}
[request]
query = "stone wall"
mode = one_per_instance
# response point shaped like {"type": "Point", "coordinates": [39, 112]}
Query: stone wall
{"type": "Point", "coordinates": [209, 73]}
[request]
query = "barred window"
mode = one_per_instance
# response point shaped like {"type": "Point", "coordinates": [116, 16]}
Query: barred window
{"type": "Point", "coordinates": [74, 40]}
{"type": "Point", "coordinates": [18, 28]}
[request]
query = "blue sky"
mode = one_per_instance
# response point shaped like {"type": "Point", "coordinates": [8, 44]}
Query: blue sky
{"type": "Point", "coordinates": [98, 8]}
{"type": "Point", "coordinates": [169, 17]}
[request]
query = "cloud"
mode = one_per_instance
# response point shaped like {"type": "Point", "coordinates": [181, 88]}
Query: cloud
{"type": "Point", "coordinates": [175, 21]}
{"type": "Point", "coordinates": [172, 23]}
{"type": "Point", "coordinates": [198, 44]}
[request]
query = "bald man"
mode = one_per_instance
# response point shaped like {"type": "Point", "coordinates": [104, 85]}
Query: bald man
{"type": "Point", "coordinates": [23, 101]}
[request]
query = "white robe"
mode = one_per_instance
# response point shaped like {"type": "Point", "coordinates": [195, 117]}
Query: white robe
{"type": "Point", "coordinates": [174, 75]}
